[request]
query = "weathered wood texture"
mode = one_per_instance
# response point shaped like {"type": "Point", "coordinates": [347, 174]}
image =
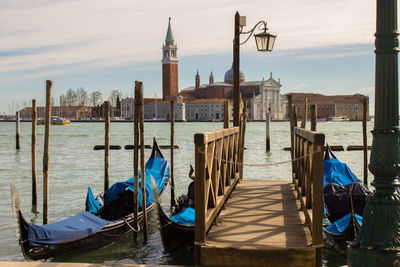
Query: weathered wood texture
{"type": "Point", "coordinates": [17, 130]}
{"type": "Point", "coordinates": [217, 160]}
{"type": "Point", "coordinates": [33, 153]}
{"type": "Point", "coordinates": [174, 202]}
{"type": "Point", "coordinates": [46, 152]}
{"type": "Point", "coordinates": [142, 160]}
{"type": "Point", "coordinates": [136, 163]}
{"type": "Point", "coordinates": [262, 225]}
{"type": "Point", "coordinates": [107, 145]}
{"type": "Point", "coordinates": [226, 115]}
{"type": "Point", "coordinates": [365, 145]}
{"type": "Point", "coordinates": [304, 116]}
{"type": "Point", "coordinates": [308, 180]}
{"type": "Point", "coordinates": [313, 116]}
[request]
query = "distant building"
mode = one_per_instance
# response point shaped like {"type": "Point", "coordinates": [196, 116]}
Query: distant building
{"type": "Point", "coordinates": [207, 109]}
{"type": "Point", "coordinates": [350, 106]}
{"type": "Point", "coordinates": [72, 113]}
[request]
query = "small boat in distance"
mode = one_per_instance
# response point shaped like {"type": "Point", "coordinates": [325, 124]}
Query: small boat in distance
{"type": "Point", "coordinates": [55, 120]}
{"type": "Point", "coordinates": [337, 118]}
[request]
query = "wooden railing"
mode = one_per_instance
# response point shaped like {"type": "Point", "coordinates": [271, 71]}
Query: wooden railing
{"type": "Point", "coordinates": [308, 180]}
{"type": "Point", "coordinates": [218, 160]}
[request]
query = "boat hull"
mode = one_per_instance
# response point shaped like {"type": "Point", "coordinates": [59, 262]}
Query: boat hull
{"type": "Point", "coordinates": [174, 236]}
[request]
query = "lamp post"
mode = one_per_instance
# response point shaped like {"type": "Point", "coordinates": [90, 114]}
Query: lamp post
{"type": "Point", "coordinates": [378, 243]}
{"type": "Point", "coordinates": [265, 43]}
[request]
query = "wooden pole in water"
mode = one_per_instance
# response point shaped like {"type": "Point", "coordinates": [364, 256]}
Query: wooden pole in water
{"type": "Point", "coordinates": [17, 146]}
{"type": "Point", "coordinates": [107, 145]}
{"type": "Point", "coordinates": [364, 130]}
{"type": "Point", "coordinates": [49, 84]}
{"type": "Point", "coordinates": [142, 163]}
{"type": "Point", "coordinates": [136, 162]}
{"type": "Point", "coordinates": [313, 113]}
{"type": "Point", "coordinates": [304, 117]}
{"type": "Point", "coordinates": [226, 115]}
{"type": "Point", "coordinates": [267, 132]}
{"type": "Point", "coordinates": [33, 153]}
{"type": "Point", "coordinates": [173, 197]}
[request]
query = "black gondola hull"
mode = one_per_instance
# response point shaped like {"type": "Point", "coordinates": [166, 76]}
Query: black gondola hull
{"type": "Point", "coordinates": [174, 236]}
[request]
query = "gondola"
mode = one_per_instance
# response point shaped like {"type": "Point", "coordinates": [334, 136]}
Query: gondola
{"type": "Point", "coordinates": [177, 231]}
{"type": "Point", "coordinates": [88, 230]}
{"type": "Point", "coordinates": [344, 201]}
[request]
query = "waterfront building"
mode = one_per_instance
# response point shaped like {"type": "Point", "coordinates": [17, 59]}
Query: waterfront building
{"type": "Point", "coordinates": [69, 112]}
{"type": "Point", "coordinates": [350, 106]}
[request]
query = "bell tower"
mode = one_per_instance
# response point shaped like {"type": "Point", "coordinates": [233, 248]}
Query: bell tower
{"type": "Point", "coordinates": [170, 65]}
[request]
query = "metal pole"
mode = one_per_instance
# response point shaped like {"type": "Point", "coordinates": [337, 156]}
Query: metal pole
{"type": "Point", "coordinates": [236, 64]}
{"type": "Point", "coordinates": [33, 153]}
{"type": "Point", "coordinates": [267, 134]}
{"type": "Point", "coordinates": [17, 146]}
{"type": "Point", "coordinates": [46, 153]}
{"type": "Point", "coordinates": [107, 146]}
{"type": "Point", "coordinates": [378, 242]}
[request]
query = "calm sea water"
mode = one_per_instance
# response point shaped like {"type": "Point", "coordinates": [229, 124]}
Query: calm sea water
{"type": "Point", "coordinates": [74, 166]}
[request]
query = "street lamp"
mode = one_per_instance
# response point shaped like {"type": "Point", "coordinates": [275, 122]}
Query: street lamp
{"type": "Point", "coordinates": [264, 42]}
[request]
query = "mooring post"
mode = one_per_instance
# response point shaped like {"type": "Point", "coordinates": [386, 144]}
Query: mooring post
{"type": "Point", "coordinates": [17, 146]}
{"type": "Point", "coordinates": [304, 116]}
{"type": "Point", "coordinates": [378, 242]}
{"type": "Point", "coordinates": [313, 115]}
{"type": "Point", "coordinates": [33, 153]}
{"type": "Point", "coordinates": [267, 133]}
{"type": "Point", "coordinates": [107, 145]}
{"type": "Point", "coordinates": [226, 115]}
{"type": "Point", "coordinates": [49, 84]}
{"type": "Point", "coordinates": [173, 196]}
{"type": "Point", "coordinates": [364, 130]}
{"type": "Point", "coordinates": [136, 162]}
{"type": "Point", "coordinates": [142, 163]}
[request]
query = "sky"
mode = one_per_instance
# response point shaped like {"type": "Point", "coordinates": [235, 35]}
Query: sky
{"type": "Point", "coordinates": [322, 46]}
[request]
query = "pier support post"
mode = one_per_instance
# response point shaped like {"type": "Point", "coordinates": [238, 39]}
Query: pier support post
{"type": "Point", "coordinates": [267, 133]}
{"type": "Point", "coordinates": [17, 131]}
{"type": "Point", "coordinates": [313, 115]}
{"type": "Point", "coordinates": [33, 153]}
{"type": "Point", "coordinates": [378, 242]}
{"type": "Point", "coordinates": [365, 145]}
{"type": "Point", "coordinates": [107, 145]}
{"type": "Point", "coordinates": [173, 197]}
{"type": "Point", "coordinates": [226, 115]}
{"type": "Point", "coordinates": [304, 116]}
{"type": "Point", "coordinates": [46, 153]}
{"type": "Point", "coordinates": [142, 160]}
{"type": "Point", "coordinates": [136, 162]}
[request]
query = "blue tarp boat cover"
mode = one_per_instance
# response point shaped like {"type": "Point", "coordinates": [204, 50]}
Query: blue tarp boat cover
{"type": "Point", "coordinates": [73, 228]}
{"type": "Point", "coordinates": [337, 172]}
{"type": "Point", "coordinates": [340, 225]}
{"type": "Point", "coordinates": [186, 216]}
{"type": "Point", "coordinates": [156, 167]}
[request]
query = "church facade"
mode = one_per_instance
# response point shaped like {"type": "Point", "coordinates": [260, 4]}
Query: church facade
{"type": "Point", "coordinates": [205, 102]}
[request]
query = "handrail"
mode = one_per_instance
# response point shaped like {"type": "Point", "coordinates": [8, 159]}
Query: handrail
{"type": "Point", "coordinates": [218, 161]}
{"type": "Point", "coordinates": [308, 180]}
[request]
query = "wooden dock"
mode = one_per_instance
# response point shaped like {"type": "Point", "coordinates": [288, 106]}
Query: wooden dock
{"type": "Point", "coordinates": [263, 224]}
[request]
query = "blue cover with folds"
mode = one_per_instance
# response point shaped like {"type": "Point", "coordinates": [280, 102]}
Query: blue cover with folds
{"type": "Point", "coordinates": [337, 172]}
{"type": "Point", "coordinates": [73, 228]}
{"type": "Point", "coordinates": [186, 216]}
{"type": "Point", "coordinates": [340, 225]}
{"type": "Point", "coordinates": [156, 167]}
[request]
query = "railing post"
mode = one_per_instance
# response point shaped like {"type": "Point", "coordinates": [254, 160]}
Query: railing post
{"type": "Point", "coordinates": [317, 195]}
{"type": "Point", "coordinates": [200, 203]}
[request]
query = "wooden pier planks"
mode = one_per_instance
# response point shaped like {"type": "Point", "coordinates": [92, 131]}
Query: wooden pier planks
{"type": "Point", "coordinates": [262, 225]}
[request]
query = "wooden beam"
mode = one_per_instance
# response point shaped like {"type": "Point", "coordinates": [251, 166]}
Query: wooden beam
{"type": "Point", "coordinates": [33, 153]}
{"type": "Point", "coordinates": [46, 156]}
{"type": "Point", "coordinates": [107, 145]}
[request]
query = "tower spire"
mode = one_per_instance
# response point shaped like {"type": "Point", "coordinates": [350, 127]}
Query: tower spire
{"type": "Point", "coordinates": [169, 38]}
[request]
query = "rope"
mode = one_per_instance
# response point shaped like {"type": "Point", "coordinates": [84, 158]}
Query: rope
{"type": "Point", "coordinates": [133, 229]}
{"type": "Point", "coordinates": [260, 164]}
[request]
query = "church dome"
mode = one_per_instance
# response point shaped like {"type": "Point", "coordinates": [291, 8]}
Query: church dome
{"type": "Point", "coordinates": [229, 76]}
